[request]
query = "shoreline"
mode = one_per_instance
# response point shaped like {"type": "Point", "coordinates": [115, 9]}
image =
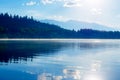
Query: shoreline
{"type": "Point", "coordinates": [51, 39]}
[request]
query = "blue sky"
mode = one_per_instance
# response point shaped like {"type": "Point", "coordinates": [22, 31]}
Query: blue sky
{"type": "Point", "coordinates": [105, 12]}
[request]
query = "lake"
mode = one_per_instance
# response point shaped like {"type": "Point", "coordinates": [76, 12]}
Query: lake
{"type": "Point", "coordinates": [79, 59]}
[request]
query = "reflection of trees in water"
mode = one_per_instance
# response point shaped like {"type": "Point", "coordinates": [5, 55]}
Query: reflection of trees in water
{"type": "Point", "coordinates": [97, 45]}
{"type": "Point", "coordinates": [26, 50]}
{"type": "Point", "coordinates": [13, 51]}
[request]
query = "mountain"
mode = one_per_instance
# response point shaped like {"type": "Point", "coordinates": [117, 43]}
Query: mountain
{"type": "Point", "coordinates": [24, 27]}
{"type": "Point", "coordinates": [77, 25]}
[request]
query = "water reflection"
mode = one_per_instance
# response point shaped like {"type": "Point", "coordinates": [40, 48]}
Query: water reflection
{"type": "Point", "coordinates": [93, 77]}
{"type": "Point", "coordinates": [60, 60]}
{"type": "Point", "coordinates": [94, 73]}
{"type": "Point", "coordinates": [74, 73]}
{"type": "Point", "coordinates": [96, 66]}
{"type": "Point", "coordinates": [14, 51]}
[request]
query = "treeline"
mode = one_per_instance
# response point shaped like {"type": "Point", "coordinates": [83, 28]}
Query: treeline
{"type": "Point", "coordinates": [14, 26]}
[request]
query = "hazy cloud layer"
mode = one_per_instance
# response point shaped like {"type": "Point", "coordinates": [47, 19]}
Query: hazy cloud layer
{"type": "Point", "coordinates": [74, 3]}
{"type": "Point", "coordinates": [31, 3]}
{"type": "Point", "coordinates": [96, 11]}
{"type": "Point", "coordinates": [66, 3]}
{"type": "Point", "coordinates": [99, 11]}
{"type": "Point", "coordinates": [47, 1]}
{"type": "Point", "coordinates": [57, 17]}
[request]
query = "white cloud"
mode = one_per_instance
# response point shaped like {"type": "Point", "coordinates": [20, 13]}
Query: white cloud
{"type": "Point", "coordinates": [72, 3]}
{"type": "Point", "coordinates": [31, 3]}
{"type": "Point", "coordinates": [57, 17]}
{"type": "Point", "coordinates": [96, 11]}
{"type": "Point", "coordinates": [114, 25]}
{"type": "Point", "coordinates": [66, 3]}
{"type": "Point", "coordinates": [47, 1]}
{"type": "Point", "coordinates": [118, 16]}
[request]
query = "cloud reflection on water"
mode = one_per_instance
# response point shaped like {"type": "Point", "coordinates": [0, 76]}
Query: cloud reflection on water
{"type": "Point", "coordinates": [75, 73]}
{"type": "Point", "coordinates": [50, 58]}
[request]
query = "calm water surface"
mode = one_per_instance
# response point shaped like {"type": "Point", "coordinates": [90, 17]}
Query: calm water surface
{"type": "Point", "coordinates": [60, 60]}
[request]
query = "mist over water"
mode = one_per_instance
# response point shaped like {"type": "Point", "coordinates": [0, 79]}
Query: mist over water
{"type": "Point", "coordinates": [80, 59]}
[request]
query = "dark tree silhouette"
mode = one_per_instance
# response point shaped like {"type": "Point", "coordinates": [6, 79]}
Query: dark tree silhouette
{"type": "Point", "coordinates": [26, 27]}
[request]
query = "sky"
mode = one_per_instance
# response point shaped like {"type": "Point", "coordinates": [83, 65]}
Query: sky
{"type": "Point", "coordinates": [106, 12]}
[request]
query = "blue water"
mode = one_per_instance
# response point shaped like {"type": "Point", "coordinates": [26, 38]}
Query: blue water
{"type": "Point", "coordinates": [60, 60]}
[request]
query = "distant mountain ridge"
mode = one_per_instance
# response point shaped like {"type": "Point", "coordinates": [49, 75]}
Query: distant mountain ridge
{"type": "Point", "coordinates": [24, 27]}
{"type": "Point", "coordinates": [77, 25]}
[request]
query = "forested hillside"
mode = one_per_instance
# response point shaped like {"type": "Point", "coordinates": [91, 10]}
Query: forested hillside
{"type": "Point", "coordinates": [14, 26]}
